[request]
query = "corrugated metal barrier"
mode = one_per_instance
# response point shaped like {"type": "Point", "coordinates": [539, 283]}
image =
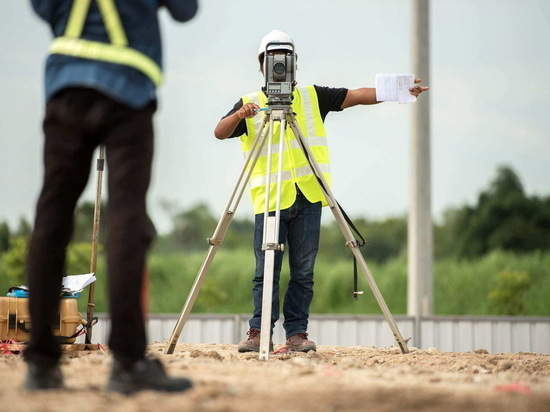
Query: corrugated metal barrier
{"type": "Point", "coordinates": [448, 333]}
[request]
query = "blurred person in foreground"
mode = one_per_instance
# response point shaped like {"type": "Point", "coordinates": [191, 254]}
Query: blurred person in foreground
{"type": "Point", "coordinates": [301, 199]}
{"type": "Point", "coordinates": [103, 68]}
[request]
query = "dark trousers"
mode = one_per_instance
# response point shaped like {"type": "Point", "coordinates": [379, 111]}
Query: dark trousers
{"type": "Point", "coordinates": [76, 122]}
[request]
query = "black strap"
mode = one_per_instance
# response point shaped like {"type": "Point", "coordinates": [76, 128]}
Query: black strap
{"type": "Point", "coordinates": [361, 243]}
{"type": "Point", "coordinates": [21, 326]}
{"type": "Point", "coordinates": [62, 339]}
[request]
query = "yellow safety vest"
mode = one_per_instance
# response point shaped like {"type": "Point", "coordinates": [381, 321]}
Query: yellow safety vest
{"type": "Point", "coordinates": [296, 169]}
{"type": "Point", "coordinates": [117, 51]}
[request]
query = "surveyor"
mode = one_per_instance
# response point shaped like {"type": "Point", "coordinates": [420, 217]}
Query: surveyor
{"type": "Point", "coordinates": [301, 199]}
{"type": "Point", "coordinates": [101, 77]}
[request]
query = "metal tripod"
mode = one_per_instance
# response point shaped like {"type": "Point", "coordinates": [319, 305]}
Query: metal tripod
{"type": "Point", "coordinates": [284, 115]}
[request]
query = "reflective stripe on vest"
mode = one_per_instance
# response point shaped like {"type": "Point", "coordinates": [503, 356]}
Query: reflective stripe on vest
{"type": "Point", "coordinates": [296, 169]}
{"type": "Point", "coordinates": [117, 51]}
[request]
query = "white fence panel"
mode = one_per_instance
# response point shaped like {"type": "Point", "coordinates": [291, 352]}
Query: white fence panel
{"type": "Point", "coordinates": [449, 334]}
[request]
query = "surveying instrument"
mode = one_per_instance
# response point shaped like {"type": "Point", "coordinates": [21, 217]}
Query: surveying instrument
{"type": "Point", "coordinates": [279, 70]}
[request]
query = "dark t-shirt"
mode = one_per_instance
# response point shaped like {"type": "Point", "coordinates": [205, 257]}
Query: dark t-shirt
{"type": "Point", "coordinates": [330, 100]}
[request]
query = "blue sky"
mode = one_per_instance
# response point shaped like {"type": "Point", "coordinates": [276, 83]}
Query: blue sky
{"type": "Point", "coordinates": [489, 99]}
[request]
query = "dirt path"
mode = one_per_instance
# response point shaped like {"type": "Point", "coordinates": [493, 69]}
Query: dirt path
{"type": "Point", "coordinates": [331, 379]}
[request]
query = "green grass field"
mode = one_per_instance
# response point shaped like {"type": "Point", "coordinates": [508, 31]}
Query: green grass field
{"type": "Point", "coordinates": [496, 284]}
{"type": "Point", "coordinates": [493, 283]}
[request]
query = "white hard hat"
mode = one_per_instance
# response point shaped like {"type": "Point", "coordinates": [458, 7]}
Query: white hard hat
{"type": "Point", "coordinates": [275, 36]}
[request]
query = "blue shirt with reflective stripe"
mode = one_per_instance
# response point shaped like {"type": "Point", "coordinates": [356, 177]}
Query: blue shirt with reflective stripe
{"type": "Point", "coordinates": [121, 83]}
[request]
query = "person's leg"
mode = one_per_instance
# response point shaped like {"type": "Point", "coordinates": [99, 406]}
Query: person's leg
{"type": "Point", "coordinates": [303, 244]}
{"type": "Point", "coordinates": [252, 343]}
{"type": "Point", "coordinates": [129, 154]}
{"type": "Point", "coordinates": [68, 151]}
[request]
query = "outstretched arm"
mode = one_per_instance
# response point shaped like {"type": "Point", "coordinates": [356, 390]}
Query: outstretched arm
{"type": "Point", "coordinates": [367, 95]}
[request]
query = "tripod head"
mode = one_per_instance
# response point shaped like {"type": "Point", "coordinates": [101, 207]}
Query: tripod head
{"type": "Point", "coordinates": [280, 73]}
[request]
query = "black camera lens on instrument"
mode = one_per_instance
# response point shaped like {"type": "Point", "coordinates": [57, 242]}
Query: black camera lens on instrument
{"type": "Point", "coordinates": [279, 68]}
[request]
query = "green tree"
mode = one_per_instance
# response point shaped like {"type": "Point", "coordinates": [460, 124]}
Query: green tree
{"type": "Point", "coordinates": [78, 257]}
{"type": "Point", "coordinates": [504, 218]}
{"type": "Point", "coordinates": [240, 234]}
{"type": "Point", "coordinates": [507, 296]}
{"type": "Point", "coordinates": [24, 228]}
{"type": "Point", "coordinates": [84, 222]}
{"type": "Point", "coordinates": [444, 236]}
{"type": "Point", "coordinates": [384, 239]}
{"type": "Point", "coordinates": [5, 235]}
{"type": "Point", "coordinates": [13, 262]}
{"type": "Point", "coordinates": [192, 227]}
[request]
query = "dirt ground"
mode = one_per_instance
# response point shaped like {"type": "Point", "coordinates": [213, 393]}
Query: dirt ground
{"type": "Point", "coordinates": [331, 379]}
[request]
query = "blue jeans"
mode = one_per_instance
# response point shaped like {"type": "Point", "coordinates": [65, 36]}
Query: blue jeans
{"type": "Point", "coordinates": [300, 227]}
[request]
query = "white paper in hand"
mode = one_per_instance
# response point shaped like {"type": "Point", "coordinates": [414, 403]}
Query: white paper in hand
{"type": "Point", "coordinates": [392, 87]}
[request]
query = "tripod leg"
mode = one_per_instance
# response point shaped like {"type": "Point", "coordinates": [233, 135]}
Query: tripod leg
{"type": "Point", "coordinates": [218, 236]}
{"type": "Point", "coordinates": [378, 296]}
{"type": "Point", "coordinates": [95, 242]}
{"type": "Point", "coordinates": [267, 293]}
{"type": "Point", "coordinates": [184, 316]}
{"type": "Point", "coordinates": [271, 236]}
{"type": "Point", "coordinates": [346, 231]}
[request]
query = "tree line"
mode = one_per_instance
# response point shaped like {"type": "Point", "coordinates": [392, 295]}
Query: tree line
{"type": "Point", "coordinates": [503, 218]}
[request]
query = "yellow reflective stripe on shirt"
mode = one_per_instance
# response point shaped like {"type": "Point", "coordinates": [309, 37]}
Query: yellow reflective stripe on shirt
{"type": "Point", "coordinates": [307, 170]}
{"type": "Point", "coordinates": [117, 51]}
{"type": "Point", "coordinates": [258, 120]}
{"type": "Point", "coordinates": [287, 175]}
{"type": "Point", "coordinates": [261, 180]}
{"type": "Point", "coordinates": [112, 22]}
{"type": "Point", "coordinates": [293, 144]}
{"type": "Point", "coordinates": [311, 141]}
{"type": "Point", "coordinates": [308, 112]}
{"type": "Point", "coordinates": [274, 150]}
{"type": "Point", "coordinates": [108, 53]}
{"type": "Point", "coordinates": [77, 17]}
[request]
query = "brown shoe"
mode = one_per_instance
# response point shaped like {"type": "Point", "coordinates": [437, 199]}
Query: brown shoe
{"type": "Point", "coordinates": [300, 343]}
{"type": "Point", "coordinates": [252, 344]}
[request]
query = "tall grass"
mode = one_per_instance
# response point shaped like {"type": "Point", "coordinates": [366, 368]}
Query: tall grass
{"type": "Point", "coordinates": [463, 287]}
{"type": "Point", "coordinates": [460, 287]}
{"type": "Point", "coordinates": [226, 286]}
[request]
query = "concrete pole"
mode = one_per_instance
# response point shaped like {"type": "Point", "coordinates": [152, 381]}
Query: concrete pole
{"type": "Point", "coordinates": [420, 237]}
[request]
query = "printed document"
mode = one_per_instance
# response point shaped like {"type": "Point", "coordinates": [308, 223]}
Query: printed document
{"type": "Point", "coordinates": [392, 87]}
